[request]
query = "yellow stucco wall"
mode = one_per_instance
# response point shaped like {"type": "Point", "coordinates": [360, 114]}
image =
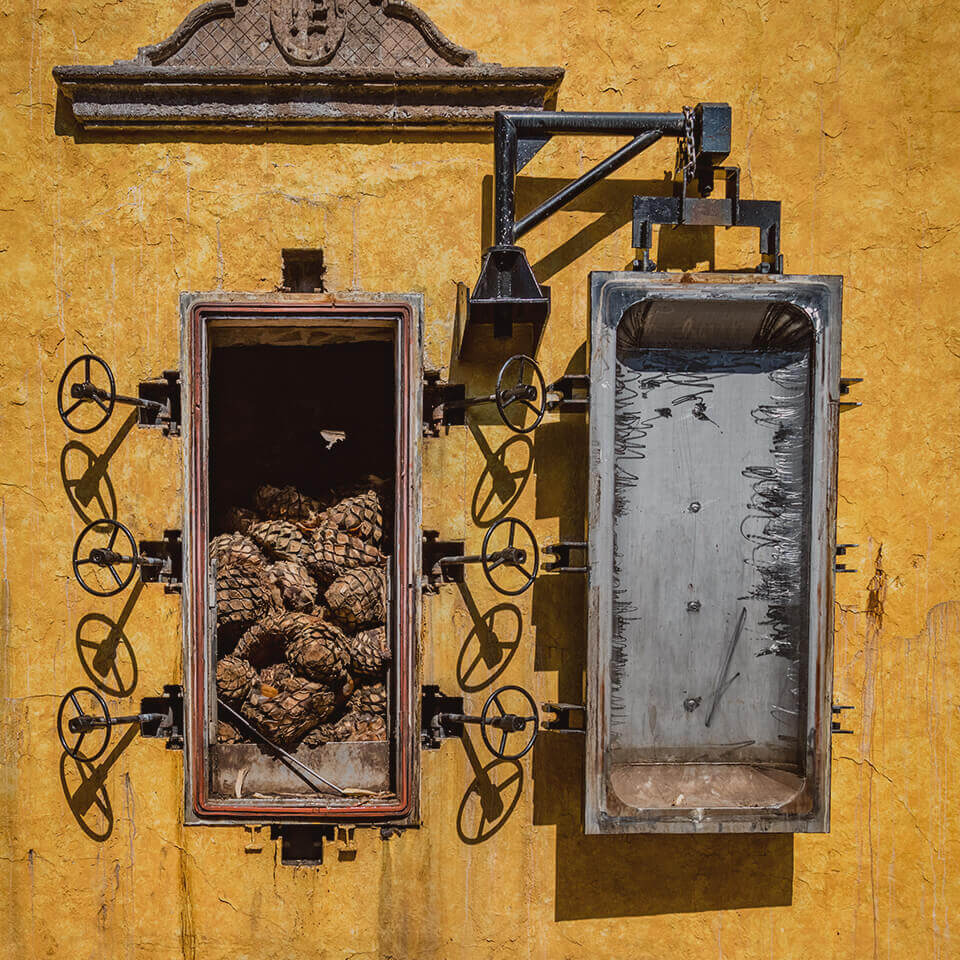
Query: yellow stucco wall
{"type": "Point", "coordinates": [847, 112]}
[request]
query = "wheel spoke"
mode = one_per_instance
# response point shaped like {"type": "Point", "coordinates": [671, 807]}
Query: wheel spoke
{"type": "Point", "coordinates": [520, 374]}
{"type": "Point", "coordinates": [76, 703]}
{"type": "Point", "coordinates": [116, 576]}
{"type": "Point", "coordinates": [529, 719]}
{"type": "Point", "coordinates": [100, 404]}
{"type": "Point", "coordinates": [113, 537]}
{"type": "Point", "coordinates": [86, 369]}
{"type": "Point", "coordinates": [507, 403]}
{"type": "Point", "coordinates": [495, 563]}
{"type": "Point", "coordinates": [80, 563]}
{"type": "Point", "coordinates": [73, 406]}
{"type": "Point", "coordinates": [506, 783]}
{"type": "Point", "coordinates": [525, 572]}
{"type": "Point", "coordinates": [487, 502]}
{"type": "Point", "coordinates": [530, 406]}
{"type": "Point", "coordinates": [76, 746]}
{"type": "Point", "coordinates": [499, 705]}
{"type": "Point", "coordinates": [513, 530]}
{"type": "Point", "coordinates": [473, 666]}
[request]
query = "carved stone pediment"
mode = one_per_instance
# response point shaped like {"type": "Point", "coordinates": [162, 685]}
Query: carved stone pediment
{"type": "Point", "coordinates": [316, 62]}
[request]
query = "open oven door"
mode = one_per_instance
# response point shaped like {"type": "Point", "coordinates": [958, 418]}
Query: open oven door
{"type": "Point", "coordinates": [301, 426]}
{"type": "Point", "coordinates": [713, 455]}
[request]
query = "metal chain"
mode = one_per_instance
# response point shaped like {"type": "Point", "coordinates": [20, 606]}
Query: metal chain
{"type": "Point", "coordinates": [686, 163]}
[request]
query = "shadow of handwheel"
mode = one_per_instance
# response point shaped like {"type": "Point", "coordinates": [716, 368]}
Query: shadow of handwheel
{"type": "Point", "coordinates": [505, 475]}
{"type": "Point", "coordinates": [83, 786]}
{"type": "Point", "coordinates": [489, 800]}
{"type": "Point", "coordinates": [484, 646]}
{"type": "Point", "coordinates": [100, 643]}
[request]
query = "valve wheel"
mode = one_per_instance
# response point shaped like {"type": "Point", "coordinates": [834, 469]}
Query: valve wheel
{"type": "Point", "coordinates": [526, 561]}
{"type": "Point", "coordinates": [490, 719]}
{"type": "Point", "coordinates": [106, 557]}
{"type": "Point", "coordinates": [530, 396]}
{"type": "Point", "coordinates": [100, 712]}
{"type": "Point", "coordinates": [85, 391]}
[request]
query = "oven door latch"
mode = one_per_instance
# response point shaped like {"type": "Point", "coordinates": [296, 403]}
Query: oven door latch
{"type": "Point", "coordinates": [87, 396]}
{"type": "Point", "coordinates": [520, 390]}
{"type": "Point", "coordinates": [570, 394]}
{"type": "Point", "coordinates": [84, 723]}
{"type": "Point", "coordinates": [509, 722]}
{"type": "Point", "coordinates": [106, 558]}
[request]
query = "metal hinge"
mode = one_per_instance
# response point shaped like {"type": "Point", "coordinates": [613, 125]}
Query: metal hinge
{"type": "Point", "coordinates": [436, 573]}
{"type": "Point", "coordinates": [169, 553]}
{"type": "Point", "coordinates": [440, 403]}
{"type": "Point", "coordinates": [842, 549]}
{"type": "Point", "coordinates": [161, 403]}
{"type": "Point", "coordinates": [838, 712]}
{"type": "Point", "coordinates": [845, 384]}
{"type": "Point", "coordinates": [574, 390]}
{"type": "Point", "coordinates": [562, 717]}
{"type": "Point", "coordinates": [434, 728]}
{"type": "Point", "coordinates": [562, 552]}
{"type": "Point", "coordinates": [163, 716]}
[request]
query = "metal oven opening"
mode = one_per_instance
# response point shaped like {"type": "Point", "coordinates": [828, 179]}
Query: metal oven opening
{"type": "Point", "coordinates": [712, 425]}
{"type": "Point", "coordinates": [302, 660]}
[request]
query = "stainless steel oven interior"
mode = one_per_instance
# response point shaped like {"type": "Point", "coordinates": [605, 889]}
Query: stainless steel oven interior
{"type": "Point", "coordinates": [713, 427]}
{"type": "Point", "coordinates": [322, 399]}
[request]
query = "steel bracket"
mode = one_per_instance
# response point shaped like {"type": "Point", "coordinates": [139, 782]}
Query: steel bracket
{"type": "Point", "coordinates": [730, 211]}
{"type": "Point", "coordinates": [169, 551]}
{"type": "Point", "coordinates": [164, 716]}
{"type": "Point", "coordinates": [563, 714]}
{"type": "Point", "coordinates": [434, 550]}
{"type": "Point", "coordinates": [838, 708]}
{"type": "Point", "coordinates": [574, 391]}
{"type": "Point", "coordinates": [162, 408]}
{"type": "Point", "coordinates": [563, 563]}
{"type": "Point", "coordinates": [437, 394]}
{"type": "Point", "coordinates": [434, 726]}
{"type": "Point", "coordinates": [842, 549]}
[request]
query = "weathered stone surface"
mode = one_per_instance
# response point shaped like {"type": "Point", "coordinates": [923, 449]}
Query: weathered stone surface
{"type": "Point", "coordinates": [318, 62]}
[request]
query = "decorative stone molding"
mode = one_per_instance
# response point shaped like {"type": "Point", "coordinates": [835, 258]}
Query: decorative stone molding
{"type": "Point", "coordinates": [236, 63]}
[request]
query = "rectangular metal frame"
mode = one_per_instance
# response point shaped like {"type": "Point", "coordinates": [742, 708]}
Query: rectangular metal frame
{"type": "Point", "coordinates": [820, 298]}
{"type": "Point", "coordinates": [405, 314]}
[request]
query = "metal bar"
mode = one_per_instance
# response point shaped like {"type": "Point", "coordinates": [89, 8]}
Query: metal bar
{"type": "Point", "coordinates": [283, 753]}
{"type": "Point", "coordinates": [509, 124]}
{"type": "Point", "coordinates": [457, 561]}
{"type": "Point", "coordinates": [505, 176]}
{"type": "Point", "coordinates": [468, 402]}
{"type": "Point", "coordinates": [594, 124]}
{"type": "Point", "coordinates": [574, 189]}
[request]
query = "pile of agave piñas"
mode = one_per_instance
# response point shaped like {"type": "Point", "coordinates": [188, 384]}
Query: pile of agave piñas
{"type": "Point", "coordinates": [301, 608]}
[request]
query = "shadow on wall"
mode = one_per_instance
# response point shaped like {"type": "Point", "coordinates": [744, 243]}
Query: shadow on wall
{"type": "Point", "coordinates": [635, 875]}
{"type": "Point", "coordinates": [680, 248]}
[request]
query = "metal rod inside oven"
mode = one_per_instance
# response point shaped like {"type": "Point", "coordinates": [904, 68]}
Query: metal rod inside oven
{"type": "Point", "coordinates": [283, 753]}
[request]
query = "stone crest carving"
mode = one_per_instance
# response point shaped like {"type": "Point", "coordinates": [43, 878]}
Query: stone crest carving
{"type": "Point", "coordinates": [318, 62]}
{"type": "Point", "coordinates": [307, 31]}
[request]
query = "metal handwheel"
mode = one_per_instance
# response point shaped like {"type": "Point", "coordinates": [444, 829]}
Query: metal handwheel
{"type": "Point", "coordinates": [108, 557]}
{"type": "Point", "coordinates": [85, 391]}
{"type": "Point", "coordinates": [524, 560]}
{"type": "Point", "coordinates": [509, 723]}
{"type": "Point", "coordinates": [84, 722]}
{"type": "Point", "coordinates": [517, 394]}
{"type": "Point", "coordinates": [531, 396]}
{"type": "Point", "coordinates": [495, 717]}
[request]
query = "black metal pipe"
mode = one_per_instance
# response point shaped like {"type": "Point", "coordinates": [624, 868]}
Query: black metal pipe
{"type": "Point", "coordinates": [505, 175]}
{"type": "Point", "coordinates": [594, 124]}
{"type": "Point", "coordinates": [508, 125]}
{"type": "Point", "coordinates": [574, 189]}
